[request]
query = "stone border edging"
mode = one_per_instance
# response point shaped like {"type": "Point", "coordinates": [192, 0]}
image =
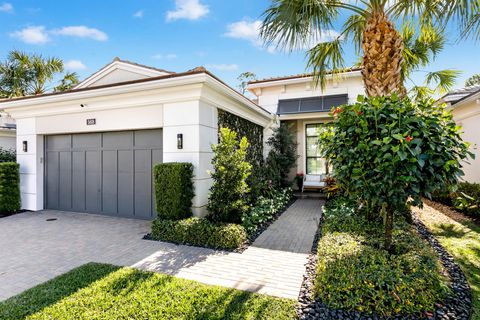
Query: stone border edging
{"type": "Point", "coordinates": [457, 305]}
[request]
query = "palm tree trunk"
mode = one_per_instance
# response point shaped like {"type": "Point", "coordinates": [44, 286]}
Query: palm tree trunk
{"type": "Point", "coordinates": [382, 57]}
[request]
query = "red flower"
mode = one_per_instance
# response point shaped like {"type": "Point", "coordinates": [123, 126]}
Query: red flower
{"type": "Point", "coordinates": [359, 113]}
{"type": "Point", "coordinates": [337, 111]}
{"type": "Point", "coordinates": [409, 139]}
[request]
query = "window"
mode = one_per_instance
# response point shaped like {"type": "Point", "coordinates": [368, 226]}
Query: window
{"type": "Point", "coordinates": [315, 163]}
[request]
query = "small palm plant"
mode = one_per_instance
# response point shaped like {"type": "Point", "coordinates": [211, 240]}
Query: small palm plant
{"type": "Point", "coordinates": [371, 25]}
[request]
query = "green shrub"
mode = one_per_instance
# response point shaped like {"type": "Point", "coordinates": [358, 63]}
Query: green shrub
{"type": "Point", "coordinates": [7, 155]}
{"type": "Point", "coordinates": [9, 187]}
{"type": "Point", "coordinates": [354, 273]}
{"type": "Point", "coordinates": [174, 190]}
{"type": "Point", "coordinates": [229, 193]}
{"type": "Point", "coordinates": [282, 156]}
{"type": "Point", "coordinates": [199, 232]}
{"type": "Point", "coordinates": [387, 151]}
{"type": "Point", "coordinates": [465, 199]}
{"type": "Point", "coordinates": [265, 209]}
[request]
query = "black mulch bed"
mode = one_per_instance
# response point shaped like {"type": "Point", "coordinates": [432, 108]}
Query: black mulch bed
{"type": "Point", "coordinates": [251, 239]}
{"type": "Point", "coordinates": [8, 214]}
{"type": "Point", "coordinates": [457, 305]}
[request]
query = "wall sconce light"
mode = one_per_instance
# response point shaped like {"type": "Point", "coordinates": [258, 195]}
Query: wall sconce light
{"type": "Point", "coordinates": [25, 146]}
{"type": "Point", "coordinates": [180, 141]}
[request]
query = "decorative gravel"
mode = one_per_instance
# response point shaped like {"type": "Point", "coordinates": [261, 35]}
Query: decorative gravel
{"type": "Point", "coordinates": [457, 305]}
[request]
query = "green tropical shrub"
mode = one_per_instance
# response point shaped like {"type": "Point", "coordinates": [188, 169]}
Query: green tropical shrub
{"type": "Point", "coordinates": [265, 209]}
{"type": "Point", "coordinates": [465, 198]}
{"type": "Point", "coordinates": [9, 187]}
{"type": "Point", "coordinates": [199, 232]}
{"type": "Point", "coordinates": [228, 195]}
{"type": "Point", "coordinates": [282, 156]}
{"type": "Point", "coordinates": [386, 150]}
{"type": "Point", "coordinates": [174, 190]}
{"type": "Point", "coordinates": [355, 273]}
{"type": "Point", "coordinates": [7, 155]}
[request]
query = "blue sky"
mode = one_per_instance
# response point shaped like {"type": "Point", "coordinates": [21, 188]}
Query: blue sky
{"type": "Point", "coordinates": [175, 35]}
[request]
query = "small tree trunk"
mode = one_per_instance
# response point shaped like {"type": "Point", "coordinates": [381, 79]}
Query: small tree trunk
{"type": "Point", "coordinates": [382, 49]}
{"type": "Point", "coordinates": [388, 214]}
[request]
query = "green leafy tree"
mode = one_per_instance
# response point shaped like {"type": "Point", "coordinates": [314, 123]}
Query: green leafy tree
{"type": "Point", "coordinates": [23, 74]}
{"type": "Point", "coordinates": [387, 151]}
{"type": "Point", "coordinates": [370, 25]}
{"type": "Point", "coordinates": [282, 155]}
{"type": "Point", "coordinates": [228, 199]}
{"type": "Point", "coordinates": [244, 79]}
{"type": "Point", "coordinates": [7, 155]}
{"type": "Point", "coordinates": [473, 80]}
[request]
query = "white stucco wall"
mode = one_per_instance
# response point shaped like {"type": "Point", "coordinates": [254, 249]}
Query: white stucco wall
{"type": "Point", "coordinates": [468, 116]}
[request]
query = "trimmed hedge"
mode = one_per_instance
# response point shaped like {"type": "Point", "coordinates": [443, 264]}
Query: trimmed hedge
{"type": "Point", "coordinates": [174, 190]}
{"type": "Point", "coordinates": [354, 273]}
{"type": "Point", "coordinates": [9, 187]}
{"type": "Point", "coordinates": [7, 155]}
{"type": "Point", "coordinates": [199, 232]}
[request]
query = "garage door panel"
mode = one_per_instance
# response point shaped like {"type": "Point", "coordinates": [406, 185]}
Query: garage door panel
{"type": "Point", "coordinates": [65, 180]}
{"type": "Point", "coordinates": [52, 179]}
{"type": "Point", "coordinates": [109, 181]}
{"type": "Point", "coordinates": [148, 138]}
{"type": "Point", "coordinates": [78, 176]}
{"type": "Point", "coordinates": [143, 183]}
{"type": "Point", "coordinates": [87, 141]}
{"type": "Point", "coordinates": [60, 142]}
{"type": "Point", "coordinates": [107, 173]}
{"type": "Point", "coordinates": [118, 140]}
{"type": "Point", "coordinates": [93, 186]}
{"type": "Point", "coordinates": [125, 182]}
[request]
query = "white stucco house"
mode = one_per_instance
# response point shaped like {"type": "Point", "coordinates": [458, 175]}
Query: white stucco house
{"type": "Point", "coordinates": [92, 149]}
{"type": "Point", "coordinates": [465, 106]}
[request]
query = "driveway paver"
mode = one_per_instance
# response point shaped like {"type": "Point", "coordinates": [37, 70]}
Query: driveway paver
{"type": "Point", "coordinates": [35, 250]}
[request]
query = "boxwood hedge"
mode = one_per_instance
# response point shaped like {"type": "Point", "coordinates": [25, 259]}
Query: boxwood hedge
{"type": "Point", "coordinates": [174, 190]}
{"type": "Point", "coordinates": [199, 232]}
{"type": "Point", "coordinates": [9, 187]}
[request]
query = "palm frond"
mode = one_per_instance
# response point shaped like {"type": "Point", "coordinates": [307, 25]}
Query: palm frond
{"type": "Point", "coordinates": [326, 57]}
{"type": "Point", "coordinates": [444, 80]}
{"type": "Point", "coordinates": [353, 28]}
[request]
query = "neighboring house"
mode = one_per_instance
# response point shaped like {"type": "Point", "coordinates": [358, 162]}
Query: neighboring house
{"type": "Point", "coordinates": [465, 106]}
{"type": "Point", "coordinates": [298, 101]}
{"type": "Point", "coordinates": [7, 132]}
{"type": "Point", "coordinates": [92, 149]}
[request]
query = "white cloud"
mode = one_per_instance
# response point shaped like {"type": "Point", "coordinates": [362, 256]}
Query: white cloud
{"type": "Point", "coordinates": [138, 14]}
{"type": "Point", "coordinates": [169, 56]}
{"type": "Point", "coordinates": [250, 31]}
{"type": "Point", "coordinates": [188, 9]}
{"type": "Point", "coordinates": [223, 67]}
{"type": "Point", "coordinates": [82, 32]}
{"type": "Point", "coordinates": [6, 7]}
{"type": "Point", "coordinates": [75, 65]}
{"type": "Point", "coordinates": [32, 35]}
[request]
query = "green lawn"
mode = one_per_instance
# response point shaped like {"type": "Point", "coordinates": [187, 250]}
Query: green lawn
{"type": "Point", "coordinates": [100, 291]}
{"type": "Point", "coordinates": [462, 239]}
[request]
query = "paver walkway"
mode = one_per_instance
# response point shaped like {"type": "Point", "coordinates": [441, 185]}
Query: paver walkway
{"type": "Point", "coordinates": [35, 250]}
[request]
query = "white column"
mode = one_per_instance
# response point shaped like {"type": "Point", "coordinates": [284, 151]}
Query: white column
{"type": "Point", "coordinates": [198, 123]}
{"type": "Point", "coordinates": [31, 164]}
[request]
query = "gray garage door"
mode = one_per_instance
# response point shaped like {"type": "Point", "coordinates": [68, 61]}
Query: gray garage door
{"type": "Point", "coordinates": [107, 173]}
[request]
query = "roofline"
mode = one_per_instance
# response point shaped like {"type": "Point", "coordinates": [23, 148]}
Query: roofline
{"type": "Point", "coordinates": [117, 59]}
{"type": "Point", "coordinates": [300, 76]}
{"type": "Point", "coordinates": [139, 81]}
{"type": "Point", "coordinates": [471, 95]}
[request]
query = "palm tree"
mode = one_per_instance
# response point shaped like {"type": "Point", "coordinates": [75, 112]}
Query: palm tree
{"type": "Point", "coordinates": [24, 74]}
{"type": "Point", "coordinates": [473, 80]}
{"type": "Point", "coordinates": [70, 79]}
{"type": "Point", "coordinates": [371, 25]}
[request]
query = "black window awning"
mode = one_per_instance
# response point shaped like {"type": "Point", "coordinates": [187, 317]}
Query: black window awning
{"type": "Point", "coordinates": [311, 104]}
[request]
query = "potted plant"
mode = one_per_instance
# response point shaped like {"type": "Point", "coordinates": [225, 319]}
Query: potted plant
{"type": "Point", "coordinates": [299, 180]}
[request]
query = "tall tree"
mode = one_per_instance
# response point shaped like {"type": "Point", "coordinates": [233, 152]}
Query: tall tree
{"type": "Point", "coordinates": [473, 80]}
{"type": "Point", "coordinates": [244, 78]}
{"type": "Point", "coordinates": [294, 24]}
{"type": "Point", "coordinates": [24, 74]}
